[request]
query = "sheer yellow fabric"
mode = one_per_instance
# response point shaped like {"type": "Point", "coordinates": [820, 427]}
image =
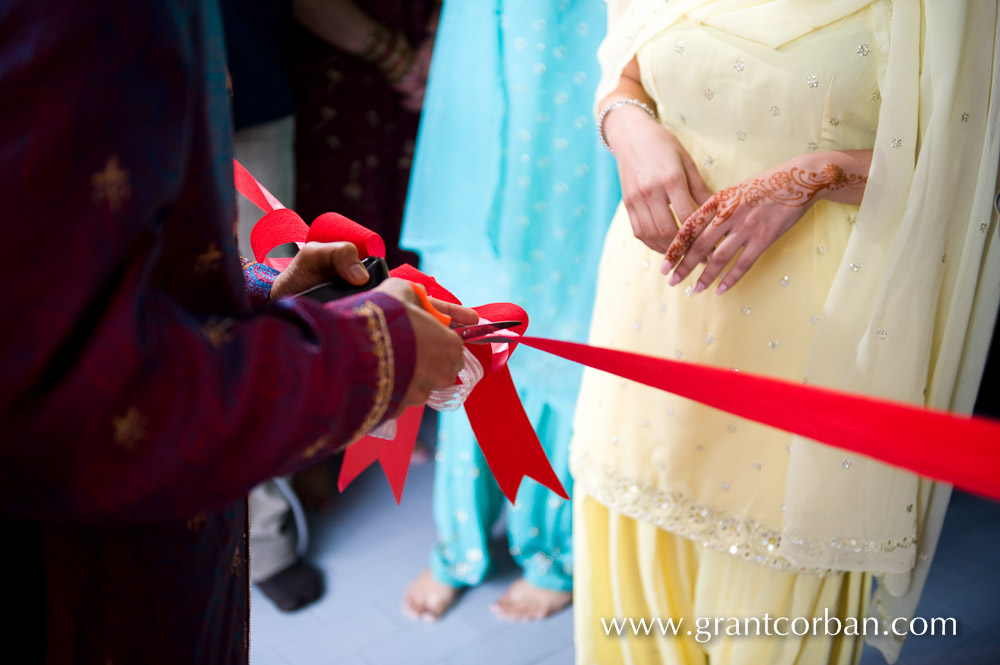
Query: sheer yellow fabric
{"type": "Point", "coordinates": [737, 614]}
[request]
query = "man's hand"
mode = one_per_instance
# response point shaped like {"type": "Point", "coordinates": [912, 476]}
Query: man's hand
{"type": "Point", "coordinates": [319, 262]}
{"type": "Point", "coordinates": [439, 350]}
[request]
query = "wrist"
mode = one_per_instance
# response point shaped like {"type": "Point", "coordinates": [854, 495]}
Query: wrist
{"type": "Point", "coordinates": [842, 175]}
{"type": "Point", "coordinates": [389, 51]}
{"type": "Point", "coordinates": [619, 113]}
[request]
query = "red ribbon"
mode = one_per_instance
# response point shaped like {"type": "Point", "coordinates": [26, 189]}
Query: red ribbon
{"type": "Point", "coordinates": [900, 434]}
{"type": "Point", "coordinates": [505, 435]}
{"type": "Point", "coordinates": [905, 436]}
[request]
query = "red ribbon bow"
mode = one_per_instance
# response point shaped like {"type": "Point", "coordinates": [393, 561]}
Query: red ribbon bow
{"type": "Point", "coordinates": [505, 435]}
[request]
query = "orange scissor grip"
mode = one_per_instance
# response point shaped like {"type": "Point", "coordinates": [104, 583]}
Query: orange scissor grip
{"type": "Point", "coordinates": [421, 292]}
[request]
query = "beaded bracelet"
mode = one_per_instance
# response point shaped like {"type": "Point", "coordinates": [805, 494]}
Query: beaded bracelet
{"type": "Point", "coordinates": [611, 107]}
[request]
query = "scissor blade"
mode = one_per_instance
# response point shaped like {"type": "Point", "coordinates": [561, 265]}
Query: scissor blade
{"type": "Point", "coordinates": [475, 331]}
{"type": "Point", "coordinates": [492, 339]}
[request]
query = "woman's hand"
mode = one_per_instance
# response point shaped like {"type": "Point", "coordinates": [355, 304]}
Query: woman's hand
{"type": "Point", "coordinates": [656, 172]}
{"type": "Point", "coordinates": [752, 214]}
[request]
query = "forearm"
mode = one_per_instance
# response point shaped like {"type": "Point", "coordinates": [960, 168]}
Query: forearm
{"type": "Point", "coordinates": [175, 416]}
{"type": "Point", "coordinates": [616, 119]}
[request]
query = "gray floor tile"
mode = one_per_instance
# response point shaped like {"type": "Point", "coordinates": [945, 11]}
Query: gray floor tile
{"type": "Point", "coordinates": [561, 657]}
{"type": "Point", "coordinates": [425, 643]}
{"type": "Point", "coordinates": [520, 644]}
{"type": "Point", "coordinates": [339, 637]}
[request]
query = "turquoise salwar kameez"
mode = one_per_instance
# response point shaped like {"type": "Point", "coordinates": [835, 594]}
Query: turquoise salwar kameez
{"type": "Point", "coordinates": [510, 197]}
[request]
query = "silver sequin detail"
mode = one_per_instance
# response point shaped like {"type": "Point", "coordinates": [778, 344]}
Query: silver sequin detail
{"type": "Point", "coordinates": [731, 427]}
{"type": "Point", "coordinates": [784, 280]}
{"type": "Point", "coordinates": [679, 46]}
{"type": "Point", "coordinates": [855, 267]}
{"type": "Point", "coordinates": [745, 310]}
{"type": "Point", "coordinates": [637, 325]}
{"type": "Point", "coordinates": [880, 333]}
{"type": "Point", "coordinates": [896, 142]}
{"type": "Point", "coordinates": [983, 226]}
{"type": "Point", "coordinates": [708, 93]}
{"type": "Point", "coordinates": [739, 66]}
{"type": "Point", "coordinates": [876, 96]}
{"type": "Point", "coordinates": [756, 466]}
{"type": "Point", "coordinates": [821, 250]}
{"type": "Point", "coordinates": [725, 486]}
{"type": "Point", "coordinates": [834, 122]}
{"type": "Point", "coordinates": [812, 146]}
{"type": "Point", "coordinates": [812, 81]}
{"type": "Point", "coordinates": [852, 218]}
{"type": "Point", "coordinates": [846, 463]}
{"type": "Point", "coordinates": [775, 111]}
{"type": "Point", "coordinates": [709, 161]}
{"type": "Point", "coordinates": [772, 344]}
{"type": "Point", "coordinates": [813, 319]}
{"type": "Point", "coordinates": [863, 50]}
{"type": "Point", "coordinates": [741, 135]}
{"type": "Point", "coordinates": [709, 339]}
{"type": "Point", "coordinates": [965, 117]}
{"type": "Point", "coordinates": [689, 291]}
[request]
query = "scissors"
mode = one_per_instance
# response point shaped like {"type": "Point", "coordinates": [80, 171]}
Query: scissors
{"type": "Point", "coordinates": [471, 333]}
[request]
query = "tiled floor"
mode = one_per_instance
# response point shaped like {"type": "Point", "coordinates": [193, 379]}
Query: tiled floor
{"type": "Point", "coordinates": [370, 549]}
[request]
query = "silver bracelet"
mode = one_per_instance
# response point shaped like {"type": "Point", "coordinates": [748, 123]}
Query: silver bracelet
{"type": "Point", "coordinates": [611, 107]}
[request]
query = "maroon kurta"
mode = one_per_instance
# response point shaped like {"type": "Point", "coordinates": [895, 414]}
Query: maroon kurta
{"type": "Point", "coordinates": [141, 394]}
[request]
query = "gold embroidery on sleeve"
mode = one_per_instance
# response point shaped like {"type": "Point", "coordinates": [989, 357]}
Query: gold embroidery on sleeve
{"type": "Point", "coordinates": [378, 335]}
{"type": "Point", "coordinates": [320, 443]}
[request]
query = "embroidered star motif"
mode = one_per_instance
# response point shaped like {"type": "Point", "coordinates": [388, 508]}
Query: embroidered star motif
{"type": "Point", "coordinates": [196, 523]}
{"type": "Point", "coordinates": [111, 185]}
{"type": "Point", "coordinates": [209, 260]}
{"type": "Point", "coordinates": [129, 429]}
{"type": "Point", "coordinates": [218, 331]}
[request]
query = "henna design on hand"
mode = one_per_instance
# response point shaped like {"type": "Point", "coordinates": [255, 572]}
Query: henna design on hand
{"type": "Point", "coordinates": [794, 187]}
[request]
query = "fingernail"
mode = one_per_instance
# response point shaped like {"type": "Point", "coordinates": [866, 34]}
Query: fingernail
{"type": "Point", "coordinates": [699, 287]}
{"type": "Point", "coordinates": [358, 272]}
{"type": "Point", "coordinates": [675, 279]}
{"type": "Point", "coordinates": [666, 267]}
{"type": "Point", "coordinates": [722, 289]}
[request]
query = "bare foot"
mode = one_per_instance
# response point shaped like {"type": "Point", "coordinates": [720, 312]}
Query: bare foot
{"type": "Point", "coordinates": [527, 602]}
{"type": "Point", "coordinates": [427, 599]}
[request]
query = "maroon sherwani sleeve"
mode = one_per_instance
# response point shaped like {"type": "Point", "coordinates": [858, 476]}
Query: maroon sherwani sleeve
{"type": "Point", "coordinates": [137, 383]}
